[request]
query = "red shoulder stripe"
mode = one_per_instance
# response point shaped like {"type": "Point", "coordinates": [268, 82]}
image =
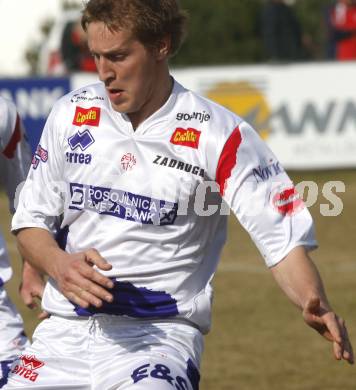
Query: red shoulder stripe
{"type": "Point", "coordinates": [10, 149]}
{"type": "Point", "coordinates": [227, 159]}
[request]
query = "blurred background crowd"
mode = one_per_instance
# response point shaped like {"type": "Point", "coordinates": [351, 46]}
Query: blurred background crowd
{"type": "Point", "coordinates": [240, 32]}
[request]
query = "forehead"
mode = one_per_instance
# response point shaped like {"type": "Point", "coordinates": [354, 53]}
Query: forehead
{"type": "Point", "coordinates": [101, 38]}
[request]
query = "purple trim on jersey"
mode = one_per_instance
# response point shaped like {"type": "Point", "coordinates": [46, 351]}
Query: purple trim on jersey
{"type": "Point", "coordinates": [193, 374]}
{"type": "Point", "coordinates": [138, 302]}
{"type": "Point", "coordinates": [62, 237]}
{"type": "Point", "coordinates": [228, 159]}
{"type": "Point", "coordinates": [4, 371]}
{"type": "Point", "coordinates": [1, 282]}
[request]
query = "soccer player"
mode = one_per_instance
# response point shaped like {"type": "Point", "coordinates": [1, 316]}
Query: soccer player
{"type": "Point", "coordinates": [15, 161]}
{"type": "Point", "coordinates": [122, 209]}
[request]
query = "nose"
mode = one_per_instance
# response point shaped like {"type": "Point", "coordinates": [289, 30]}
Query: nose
{"type": "Point", "coordinates": [105, 69]}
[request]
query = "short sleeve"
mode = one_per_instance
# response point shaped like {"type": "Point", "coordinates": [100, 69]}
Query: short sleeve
{"type": "Point", "coordinates": [15, 150]}
{"type": "Point", "coordinates": [41, 201]}
{"type": "Point", "coordinates": [262, 196]}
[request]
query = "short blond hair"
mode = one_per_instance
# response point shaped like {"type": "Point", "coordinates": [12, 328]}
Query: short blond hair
{"type": "Point", "coordinates": [149, 20]}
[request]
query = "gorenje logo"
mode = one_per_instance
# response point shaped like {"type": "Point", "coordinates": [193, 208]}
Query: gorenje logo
{"type": "Point", "coordinates": [199, 116]}
{"type": "Point", "coordinates": [87, 116]}
{"type": "Point", "coordinates": [186, 137]}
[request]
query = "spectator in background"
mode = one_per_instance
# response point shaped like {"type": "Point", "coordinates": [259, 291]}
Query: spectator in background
{"type": "Point", "coordinates": [15, 159]}
{"type": "Point", "coordinates": [281, 32]}
{"type": "Point", "coordinates": [74, 49]}
{"type": "Point", "coordinates": [341, 25]}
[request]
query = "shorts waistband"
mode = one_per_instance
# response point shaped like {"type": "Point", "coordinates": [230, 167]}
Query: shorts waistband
{"type": "Point", "coordinates": [106, 319]}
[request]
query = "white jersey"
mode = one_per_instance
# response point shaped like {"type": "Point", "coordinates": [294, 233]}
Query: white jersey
{"type": "Point", "coordinates": [15, 160]}
{"type": "Point", "coordinates": [148, 199]}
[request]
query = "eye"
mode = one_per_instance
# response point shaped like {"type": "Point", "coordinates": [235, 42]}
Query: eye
{"type": "Point", "coordinates": [116, 57]}
{"type": "Point", "coordinates": [95, 55]}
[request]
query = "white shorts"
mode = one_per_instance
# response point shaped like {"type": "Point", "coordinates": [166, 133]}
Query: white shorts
{"type": "Point", "coordinates": [12, 337]}
{"type": "Point", "coordinates": [108, 352]}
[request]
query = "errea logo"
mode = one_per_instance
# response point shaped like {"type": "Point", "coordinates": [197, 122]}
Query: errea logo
{"type": "Point", "coordinates": [186, 137]}
{"type": "Point", "coordinates": [86, 116]}
{"type": "Point", "coordinates": [27, 367]}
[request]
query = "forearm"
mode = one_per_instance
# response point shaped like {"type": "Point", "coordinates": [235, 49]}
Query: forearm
{"type": "Point", "coordinates": [39, 249]}
{"type": "Point", "coordinates": [299, 278]}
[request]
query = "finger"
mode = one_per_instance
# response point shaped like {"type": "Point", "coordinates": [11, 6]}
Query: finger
{"type": "Point", "coordinates": [38, 292]}
{"type": "Point", "coordinates": [97, 277]}
{"type": "Point", "coordinates": [92, 290]}
{"type": "Point", "coordinates": [347, 353]}
{"type": "Point", "coordinates": [43, 315]}
{"type": "Point", "coordinates": [93, 257]}
{"type": "Point", "coordinates": [90, 298]}
{"type": "Point", "coordinates": [27, 298]}
{"type": "Point", "coordinates": [333, 326]}
{"type": "Point", "coordinates": [77, 300]}
{"type": "Point", "coordinates": [337, 350]}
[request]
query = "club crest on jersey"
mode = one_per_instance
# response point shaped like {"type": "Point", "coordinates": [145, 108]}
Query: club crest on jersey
{"type": "Point", "coordinates": [86, 116]}
{"type": "Point", "coordinates": [27, 367]}
{"type": "Point", "coordinates": [41, 154]}
{"type": "Point", "coordinates": [287, 201]}
{"type": "Point", "coordinates": [186, 137]}
{"type": "Point", "coordinates": [128, 161]}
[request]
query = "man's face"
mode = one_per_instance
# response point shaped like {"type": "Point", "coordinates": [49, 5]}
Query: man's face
{"type": "Point", "coordinates": [131, 72]}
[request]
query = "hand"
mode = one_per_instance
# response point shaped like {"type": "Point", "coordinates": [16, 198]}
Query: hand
{"type": "Point", "coordinates": [330, 326]}
{"type": "Point", "coordinates": [80, 282]}
{"type": "Point", "coordinates": [31, 287]}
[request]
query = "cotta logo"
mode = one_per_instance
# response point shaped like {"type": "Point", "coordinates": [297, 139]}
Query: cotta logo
{"type": "Point", "coordinates": [86, 116]}
{"type": "Point", "coordinates": [186, 137]}
{"type": "Point", "coordinates": [27, 368]}
{"type": "Point", "coordinates": [128, 161]}
{"type": "Point", "coordinates": [287, 201]}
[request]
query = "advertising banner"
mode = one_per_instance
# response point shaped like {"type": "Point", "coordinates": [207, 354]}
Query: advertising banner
{"type": "Point", "coordinates": [34, 99]}
{"type": "Point", "coordinates": [305, 112]}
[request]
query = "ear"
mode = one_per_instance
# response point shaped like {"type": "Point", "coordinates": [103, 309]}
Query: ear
{"type": "Point", "coordinates": [163, 48]}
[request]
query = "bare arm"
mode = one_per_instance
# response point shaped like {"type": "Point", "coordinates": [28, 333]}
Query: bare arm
{"type": "Point", "coordinates": [75, 274]}
{"type": "Point", "coordinates": [31, 287]}
{"type": "Point", "coordinates": [299, 278]}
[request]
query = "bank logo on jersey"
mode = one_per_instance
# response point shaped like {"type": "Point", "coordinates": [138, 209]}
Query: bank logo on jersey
{"type": "Point", "coordinates": [186, 137]}
{"type": "Point", "coordinates": [128, 161]}
{"type": "Point", "coordinates": [87, 116]}
{"type": "Point", "coordinates": [122, 204]}
{"type": "Point", "coordinates": [27, 367]}
{"type": "Point", "coordinates": [41, 154]}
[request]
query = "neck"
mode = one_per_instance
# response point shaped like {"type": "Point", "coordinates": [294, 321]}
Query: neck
{"type": "Point", "coordinates": [159, 94]}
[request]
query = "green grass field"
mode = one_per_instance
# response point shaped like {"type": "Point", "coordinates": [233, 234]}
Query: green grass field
{"type": "Point", "coordinates": [258, 339]}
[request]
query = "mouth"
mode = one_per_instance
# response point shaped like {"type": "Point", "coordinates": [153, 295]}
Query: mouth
{"type": "Point", "coordinates": [114, 93]}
